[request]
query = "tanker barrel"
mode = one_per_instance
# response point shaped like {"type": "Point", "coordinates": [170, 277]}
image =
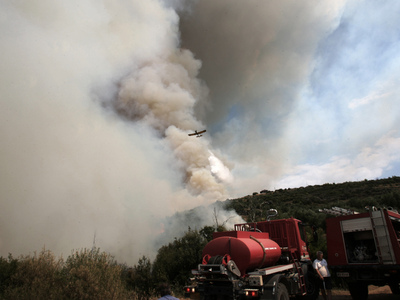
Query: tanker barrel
{"type": "Point", "coordinates": [248, 250]}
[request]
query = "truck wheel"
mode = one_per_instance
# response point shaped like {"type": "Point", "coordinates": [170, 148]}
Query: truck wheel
{"type": "Point", "coordinates": [358, 291]}
{"type": "Point", "coordinates": [312, 288]}
{"type": "Point", "coordinates": [395, 287]}
{"type": "Point", "coordinates": [281, 292]}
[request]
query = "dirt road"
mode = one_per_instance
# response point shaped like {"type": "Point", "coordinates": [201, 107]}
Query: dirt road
{"type": "Point", "coordinates": [375, 293]}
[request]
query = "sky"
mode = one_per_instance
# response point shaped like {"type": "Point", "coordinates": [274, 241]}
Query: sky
{"type": "Point", "coordinates": [97, 99]}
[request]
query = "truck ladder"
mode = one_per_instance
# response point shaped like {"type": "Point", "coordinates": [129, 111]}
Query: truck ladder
{"type": "Point", "coordinates": [382, 238]}
{"type": "Point", "coordinates": [302, 280]}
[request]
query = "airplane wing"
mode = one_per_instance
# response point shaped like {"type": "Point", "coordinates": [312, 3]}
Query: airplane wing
{"type": "Point", "coordinates": [197, 133]}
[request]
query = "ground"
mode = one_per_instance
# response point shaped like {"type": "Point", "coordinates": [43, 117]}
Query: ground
{"type": "Point", "coordinates": [375, 293]}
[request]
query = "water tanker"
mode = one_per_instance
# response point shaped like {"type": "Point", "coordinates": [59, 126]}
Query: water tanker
{"type": "Point", "coordinates": [261, 260]}
{"type": "Point", "coordinates": [249, 250]}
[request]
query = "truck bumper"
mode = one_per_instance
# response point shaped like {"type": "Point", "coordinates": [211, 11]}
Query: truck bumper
{"type": "Point", "coordinates": [376, 274]}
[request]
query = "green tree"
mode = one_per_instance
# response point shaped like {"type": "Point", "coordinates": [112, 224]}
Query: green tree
{"type": "Point", "coordinates": [140, 279]}
{"type": "Point", "coordinates": [91, 274]}
{"type": "Point", "coordinates": [207, 232]}
{"type": "Point", "coordinates": [174, 262]}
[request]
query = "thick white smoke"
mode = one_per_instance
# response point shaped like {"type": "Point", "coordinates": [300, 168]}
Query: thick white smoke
{"type": "Point", "coordinates": [162, 94]}
{"type": "Point", "coordinates": [97, 99]}
{"type": "Point", "coordinates": [96, 102]}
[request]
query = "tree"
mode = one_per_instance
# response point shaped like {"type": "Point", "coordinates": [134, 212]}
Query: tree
{"type": "Point", "coordinates": [139, 278]}
{"type": "Point", "coordinates": [93, 275]}
{"type": "Point", "coordinates": [174, 262]}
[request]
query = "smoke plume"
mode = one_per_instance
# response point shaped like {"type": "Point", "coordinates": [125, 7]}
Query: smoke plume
{"type": "Point", "coordinates": [162, 94]}
{"type": "Point", "coordinates": [97, 101]}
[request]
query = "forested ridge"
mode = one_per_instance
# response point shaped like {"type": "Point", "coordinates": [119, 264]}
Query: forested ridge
{"type": "Point", "coordinates": [304, 202]}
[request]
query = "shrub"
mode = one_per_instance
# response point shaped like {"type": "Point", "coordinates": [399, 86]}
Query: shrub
{"type": "Point", "coordinates": [7, 269]}
{"type": "Point", "coordinates": [37, 277]}
{"type": "Point", "coordinates": [86, 274]}
{"type": "Point", "coordinates": [90, 274]}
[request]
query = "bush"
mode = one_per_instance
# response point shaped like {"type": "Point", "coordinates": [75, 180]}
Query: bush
{"type": "Point", "coordinates": [7, 269]}
{"type": "Point", "coordinates": [93, 275]}
{"type": "Point", "coordinates": [86, 274]}
{"type": "Point", "coordinates": [37, 277]}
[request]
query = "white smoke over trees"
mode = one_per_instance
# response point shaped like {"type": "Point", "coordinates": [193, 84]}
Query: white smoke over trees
{"type": "Point", "coordinates": [70, 166]}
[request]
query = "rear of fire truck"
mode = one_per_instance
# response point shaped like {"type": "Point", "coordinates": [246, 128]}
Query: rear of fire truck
{"type": "Point", "coordinates": [262, 260]}
{"type": "Point", "coordinates": [364, 249]}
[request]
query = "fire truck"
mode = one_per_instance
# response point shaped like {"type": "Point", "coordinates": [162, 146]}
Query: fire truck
{"type": "Point", "coordinates": [260, 260]}
{"type": "Point", "coordinates": [364, 249]}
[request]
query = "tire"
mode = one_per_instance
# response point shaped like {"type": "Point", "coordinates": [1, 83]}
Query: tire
{"type": "Point", "coordinates": [281, 292]}
{"type": "Point", "coordinates": [358, 290]}
{"type": "Point", "coordinates": [312, 287]}
{"type": "Point", "coordinates": [395, 288]}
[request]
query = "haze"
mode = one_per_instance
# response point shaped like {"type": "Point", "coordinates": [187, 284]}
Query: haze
{"type": "Point", "coordinates": [98, 98]}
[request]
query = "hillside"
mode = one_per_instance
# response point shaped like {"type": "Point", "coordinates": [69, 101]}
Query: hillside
{"type": "Point", "coordinates": [304, 202]}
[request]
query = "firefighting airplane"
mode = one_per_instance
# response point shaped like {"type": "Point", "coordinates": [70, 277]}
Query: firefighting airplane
{"type": "Point", "coordinates": [198, 134]}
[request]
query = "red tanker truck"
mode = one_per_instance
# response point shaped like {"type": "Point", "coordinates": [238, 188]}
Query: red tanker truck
{"type": "Point", "coordinates": [364, 249]}
{"type": "Point", "coordinates": [260, 260]}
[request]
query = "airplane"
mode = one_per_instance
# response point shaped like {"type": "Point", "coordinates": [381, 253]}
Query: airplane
{"type": "Point", "coordinates": [198, 134]}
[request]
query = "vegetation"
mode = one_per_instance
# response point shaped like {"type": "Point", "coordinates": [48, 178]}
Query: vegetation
{"type": "Point", "coordinates": [86, 274]}
{"type": "Point", "coordinates": [91, 274]}
{"type": "Point", "coordinates": [304, 203]}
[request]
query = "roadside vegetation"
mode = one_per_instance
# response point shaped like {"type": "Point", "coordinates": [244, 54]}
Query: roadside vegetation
{"type": "Point", "coordinates": [92, 274]}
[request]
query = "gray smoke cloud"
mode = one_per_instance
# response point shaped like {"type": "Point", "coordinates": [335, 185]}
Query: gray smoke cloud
{"type": "Point", "coordinates": [97, 100]}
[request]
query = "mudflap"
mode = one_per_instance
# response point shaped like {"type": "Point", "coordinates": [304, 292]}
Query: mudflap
{"type": "Point", "coordinates": [222, 290]}
{"type": "Point", "coordinates": [358, 290]}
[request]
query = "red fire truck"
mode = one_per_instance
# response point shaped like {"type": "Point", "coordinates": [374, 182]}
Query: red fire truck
{"type": "Point", "coordinates": [364, 249]}
{"type": "Point", "coordinates": [261, 260]}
